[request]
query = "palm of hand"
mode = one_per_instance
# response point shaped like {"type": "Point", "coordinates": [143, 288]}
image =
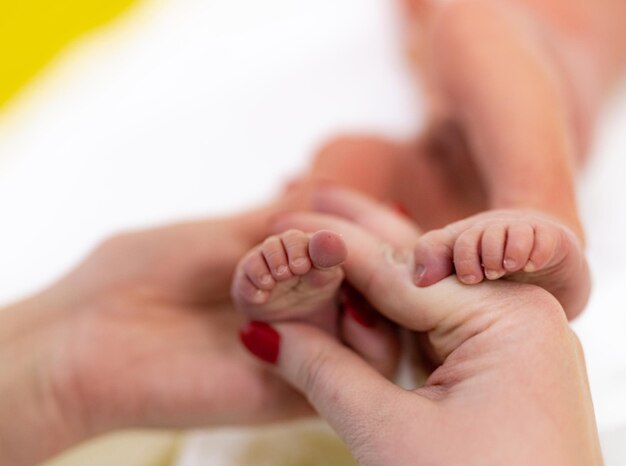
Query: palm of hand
{"type": "Point", "coordinates": [144, 338]}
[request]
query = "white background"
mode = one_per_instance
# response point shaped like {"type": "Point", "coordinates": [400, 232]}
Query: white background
{"type": "Point", "coordinates": [190, 108]}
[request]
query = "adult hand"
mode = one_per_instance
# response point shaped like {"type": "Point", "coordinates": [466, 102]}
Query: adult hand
{"type": "Point", "coordinates": [140, 334]}
{"type": "Point", "coordinates": [510, 386]}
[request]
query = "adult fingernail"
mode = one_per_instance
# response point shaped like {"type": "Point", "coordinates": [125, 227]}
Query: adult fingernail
{"type": "Point", "coordinates": [261, 340]}
{"type": "Point", "coordinates": [420, 270]}
{"type": "Point", "coordinates": [362, 316]}
{"type": "Point", "coordinates": [357, 307]}
{"type": "Point", "coordinates": [401, 209]}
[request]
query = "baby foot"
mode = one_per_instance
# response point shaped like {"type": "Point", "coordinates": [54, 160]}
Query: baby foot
{"type": "Point", "coordinates": [523, 246]}
{"type": "Point", "coordinates": [294, 275]}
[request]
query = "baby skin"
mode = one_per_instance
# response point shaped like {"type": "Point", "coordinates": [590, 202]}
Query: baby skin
{"type": "Point", "coordinates": [298, 276]}
{"type": "Point", "coordinates": [293, 275]}
{"type": "Point", "coordinates": [520, 245]}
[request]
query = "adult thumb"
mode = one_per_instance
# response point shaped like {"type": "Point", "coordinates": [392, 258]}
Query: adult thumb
{"type": "Point", "coordinates": [348, 393]}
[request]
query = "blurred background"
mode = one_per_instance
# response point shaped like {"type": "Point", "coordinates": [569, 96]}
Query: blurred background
{"type": "Point", "coordinates": [123, 114]}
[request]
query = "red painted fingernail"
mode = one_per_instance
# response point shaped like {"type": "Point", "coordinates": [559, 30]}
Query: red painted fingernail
{"type": "Point", "coordinates": [357, 307]}
{"type": "Point", "coordinates": [400, 208]}
{"type": "Point", "coordinates": [366, 319]}
{"type": "Point", "coordinates": [261, 340]}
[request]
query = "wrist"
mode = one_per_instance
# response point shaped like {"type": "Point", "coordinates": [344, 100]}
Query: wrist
{"type": "Point", "coordinates": [34, 423]}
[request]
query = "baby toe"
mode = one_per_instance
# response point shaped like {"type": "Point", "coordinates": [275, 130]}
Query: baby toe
{"type": "Point", "coordinates": [492, 251]}
{"type": "Point", "coordinates": [433, 257]}
{"type": "Point", "coordinates": [544, 247]}
{"type": "Point", "coordinates": [244, 289]}
{"type": "Point", "coordinates": [296, 245]}
{"type": "Point", "coordinates": [274, 253]}
{"type": "Point", "coordinates": [519, 244]}
{"type": "Point", "coordinates": [327, 249]}
{"type": "Point", "coordinates": [467, 256]}
{"type": "Point", "coordinates": [257, 271]}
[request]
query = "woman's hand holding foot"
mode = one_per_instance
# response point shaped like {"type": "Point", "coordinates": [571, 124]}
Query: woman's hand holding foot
{"type": "Point", "coordinates": [141, 334]}
{"type": "Point", "coordinates": [297, 276]}
{"type": "Point", "coordinates": [511, 387]}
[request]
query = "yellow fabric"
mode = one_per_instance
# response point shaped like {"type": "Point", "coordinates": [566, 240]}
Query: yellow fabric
{"type": "Point", "coordinates": [133, 448]}
{"type": "Point", "coordinates": [32, 32]}
{"type": "Point", "coordinates": [301, 443]}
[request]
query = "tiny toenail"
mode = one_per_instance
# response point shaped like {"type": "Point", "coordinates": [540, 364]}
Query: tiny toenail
{"type": "Point", "coordinates": [492, 274]}
{"type": "Point", "coordinates": [530, 267]}
{"type": "Point", "coordinates": [468, 278]}
{"type": "Point", "coordinates": [266, 279]}
{"type": "Point", "coordinates": [419, 272]}
{"type": "Point", "coordinates": [281, 269]}
{"type": "Point", "coordinates": [509, 263]}
{"type": "Point", "coordinates": [260, 296]}
{"type": "Point", "coordinates": [298, 262]}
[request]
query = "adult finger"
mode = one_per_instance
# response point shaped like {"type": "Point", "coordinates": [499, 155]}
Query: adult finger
{"type": "Point", "coordinates": [340, 385]}
{"type": "Point", "coordinates": [366, 331]}
{"type": "Point", "coordinates": [385, 277]}
{"type": "Point", "coordinates": [381, 220]}
{"type": "Point", "coordinates": [362, 162]}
